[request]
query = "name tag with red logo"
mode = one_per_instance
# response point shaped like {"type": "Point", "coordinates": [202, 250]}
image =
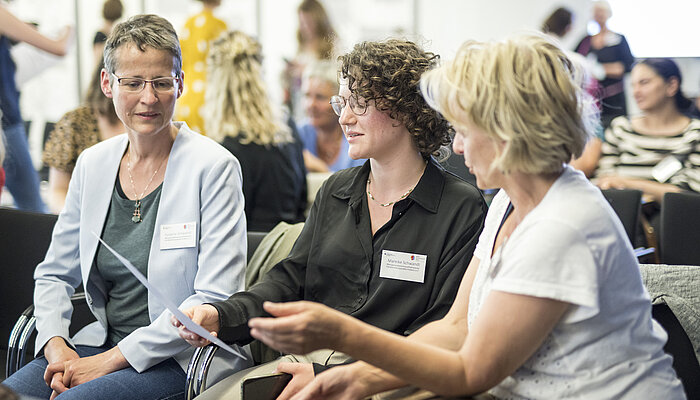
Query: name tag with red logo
{"type": "Point", "coordinates": [403, 266]}
{"type": "Point", "coordinates": [178, 236]}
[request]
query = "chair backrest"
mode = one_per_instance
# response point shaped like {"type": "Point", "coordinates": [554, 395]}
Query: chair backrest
{"type": "Point", "coordinates": [254, 239]}
{"type": "Point", "coordinates": [679, 236]}
{"type": "Point", "coordinates": [627, 204]}
{"type": "Point", "coordinates": [679, 346]}
{"type": "Point", "coordinates": [25, 237]}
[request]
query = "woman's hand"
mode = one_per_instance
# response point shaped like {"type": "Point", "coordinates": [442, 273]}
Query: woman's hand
{"type": "Point", "coordinates": [80, 370]}
{"type": "Point", "coordinates": [300, 327]}
{"type": "Point", "coordinates": [339, 383]}
{"type": "Point", "coordinates": [302, 374]}
{"type": "Point", "coordinates": [613, 182]}
{"type": "Point", "coordinates": [57, 352]}
{"type": "Point", "coordinates": [205, 315]}
{"type": "Point", "coordinates": [313, 163]}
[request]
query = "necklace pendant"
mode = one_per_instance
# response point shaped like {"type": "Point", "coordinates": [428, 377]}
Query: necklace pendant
{"type": "Point", "coordinates": [136, 217]}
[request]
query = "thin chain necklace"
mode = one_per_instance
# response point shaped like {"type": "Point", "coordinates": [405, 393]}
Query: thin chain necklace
{"type": "Point", "coordinates": [136, 217]}
{"type": "Point", "coordinates": [403, 196]}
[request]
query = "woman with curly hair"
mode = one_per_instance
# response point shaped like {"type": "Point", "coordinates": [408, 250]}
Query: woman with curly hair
{"type": "Point", "coordinates": [239, 116]}
{"type": "Point", "coordinates": [386, 242]}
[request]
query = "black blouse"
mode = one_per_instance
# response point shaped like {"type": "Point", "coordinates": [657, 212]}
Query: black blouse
{"type": "Point", "coordinates": [336, 259]}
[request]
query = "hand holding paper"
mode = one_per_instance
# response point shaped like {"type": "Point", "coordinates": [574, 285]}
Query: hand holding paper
{"type": "Point", "coordinates": [172, 307]}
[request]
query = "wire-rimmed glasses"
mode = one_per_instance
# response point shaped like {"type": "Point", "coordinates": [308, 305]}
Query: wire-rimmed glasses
{"type": "Point", "coordinates": [136, 85]}
{"type": "Point", "coordinates": [358, 105]}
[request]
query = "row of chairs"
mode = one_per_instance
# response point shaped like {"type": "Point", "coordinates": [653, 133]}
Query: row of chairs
{"type": "Point", "coordinates": [679, 234]}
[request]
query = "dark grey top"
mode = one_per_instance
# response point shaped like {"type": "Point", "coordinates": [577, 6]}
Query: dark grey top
{"type": "Point", "coordinates": [127, 298]}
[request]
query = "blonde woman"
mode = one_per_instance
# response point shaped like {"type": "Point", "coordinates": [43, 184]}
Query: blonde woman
{"type": "Point", "coordinates": [239, 115]}
{"type": "Point", "coordinates": [552, 304]}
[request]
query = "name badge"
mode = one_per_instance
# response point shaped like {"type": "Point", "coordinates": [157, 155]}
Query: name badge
{"type": "Point", "coordinates": [177, 236]}
{"type": "Point", "coordinates": [666, 168]}
{"type": "Point", "coordinates": [403, 266]}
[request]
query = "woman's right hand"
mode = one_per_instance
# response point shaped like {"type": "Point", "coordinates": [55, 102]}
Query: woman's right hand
{"type": "Point", "coordinates": [56, 351]}
{"type": "Point", "coordinates": [341, 383]}
{"type": "Point", "coordinates": [205, 315]}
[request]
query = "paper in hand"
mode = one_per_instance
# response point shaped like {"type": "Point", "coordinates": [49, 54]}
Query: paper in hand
{"type": "Point", "coordinates": [172, 307]}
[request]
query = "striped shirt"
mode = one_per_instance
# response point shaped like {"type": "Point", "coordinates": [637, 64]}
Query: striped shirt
{"type": "Point", "coordinates": [631, 154]}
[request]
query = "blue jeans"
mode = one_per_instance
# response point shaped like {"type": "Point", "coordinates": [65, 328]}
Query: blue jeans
{"type": "Point", "coordinates": [162, 381]}
{"type": "Point", "coordinates": [22, 179]}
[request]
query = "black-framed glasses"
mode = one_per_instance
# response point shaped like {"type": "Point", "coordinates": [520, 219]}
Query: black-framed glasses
{"type": "Point", "coordinates": [136, 85]}
{"type": "Point", "coordinates": [358, 105]}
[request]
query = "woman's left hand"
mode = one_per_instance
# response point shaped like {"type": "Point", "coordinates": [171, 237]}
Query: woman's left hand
{"type": "Point", "coordinates": [613, 182]}
{"type": "Point", "coordinates": [85, 369]}
{"type": "Point", "coordinates": [300, 327]}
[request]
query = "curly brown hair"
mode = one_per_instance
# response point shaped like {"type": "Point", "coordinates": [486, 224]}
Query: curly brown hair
{"type": "Point", "coordinates": [389, 72]}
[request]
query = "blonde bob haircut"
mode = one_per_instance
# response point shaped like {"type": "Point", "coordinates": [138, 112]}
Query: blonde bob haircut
{"type": "Point", "coordinates": [235, 101]}
{"type": "Point", "coordinates": [524, 92]}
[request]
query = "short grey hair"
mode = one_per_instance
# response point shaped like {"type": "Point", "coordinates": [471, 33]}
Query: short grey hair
{"type": "Point", "coordinates": [324, 70]}
{"type": "Point", "coordinates": [145, 30]}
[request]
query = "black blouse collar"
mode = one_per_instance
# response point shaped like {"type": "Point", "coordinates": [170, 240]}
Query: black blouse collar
{"type": "Point", "coordinates": [427, 192]}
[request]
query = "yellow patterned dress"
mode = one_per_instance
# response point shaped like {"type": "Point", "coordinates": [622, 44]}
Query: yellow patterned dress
{"type": "Point", "coordinates": [199, 31]}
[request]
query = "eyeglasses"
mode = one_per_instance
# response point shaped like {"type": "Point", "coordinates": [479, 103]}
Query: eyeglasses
{"type": "Point", "coordinates": [136, 85]}
{"type": "Point", "coordinates": [358, 105]}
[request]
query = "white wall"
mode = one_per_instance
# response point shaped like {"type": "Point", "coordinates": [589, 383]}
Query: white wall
{"type": "Point", "coordinates": [439, 25]}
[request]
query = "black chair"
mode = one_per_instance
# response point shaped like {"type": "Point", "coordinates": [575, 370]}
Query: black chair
{"type": "Point", "coordinates": [254, 239]}
{"type": "Point", "coordinates": [679, 346]}
{"type": "Point", "coordinates": [627, 204]}
{"type": "Point", "coordinates": [25, 239]}
{"type": "Point", "coordinates": [679, 236]}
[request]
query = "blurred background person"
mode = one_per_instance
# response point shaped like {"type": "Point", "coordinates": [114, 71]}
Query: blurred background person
{"type": "Point", "coordinates": [111, 12]}
{"type": "Point", "coordinates": [656, 152]}
{"type": "Point", "coordinates": [325, 145]}
{"type": "Point", "coordinates": [316, 40]}
{"type": "Point", "coordinates": [2, 158]}
{"type": "Point", "coordinates": [612, 58]}
{"type": "Point", "coordinates": [22, 179]}
{"type": "Point", "coordinates": [240, 116]}
{"type": "Point", "coordinates": [557, 25]}
{"type": "Point", "coordinates": [77, 130]}
{"type": "Point", "coordinates": [199, 31]}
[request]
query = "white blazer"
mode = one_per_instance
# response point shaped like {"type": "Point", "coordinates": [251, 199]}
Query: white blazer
{"type": "Point", "coordinates": [202, 184]}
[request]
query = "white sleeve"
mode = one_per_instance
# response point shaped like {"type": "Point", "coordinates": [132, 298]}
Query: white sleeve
{"type": "Point", "coordinates": [494, 215]}
{"type": "Point", "coordinates": [550, 259]}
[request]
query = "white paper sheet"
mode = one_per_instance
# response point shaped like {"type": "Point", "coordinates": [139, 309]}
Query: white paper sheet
{"type": "Point", "coordinates": [172, 307]}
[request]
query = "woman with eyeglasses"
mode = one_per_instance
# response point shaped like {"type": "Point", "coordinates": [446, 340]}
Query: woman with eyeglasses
{"type": "Point", "coordinates": [386, 242]}
{"type": "Point", "coordinates": [325, 145]}
{"type": "Point", "coordinates": [166, 198]}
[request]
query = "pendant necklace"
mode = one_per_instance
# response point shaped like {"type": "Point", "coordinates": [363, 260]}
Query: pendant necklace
{"type": "Point", "coordinates": [136, 217]}
{"type": "Point", "coordinates": [403, 196]}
